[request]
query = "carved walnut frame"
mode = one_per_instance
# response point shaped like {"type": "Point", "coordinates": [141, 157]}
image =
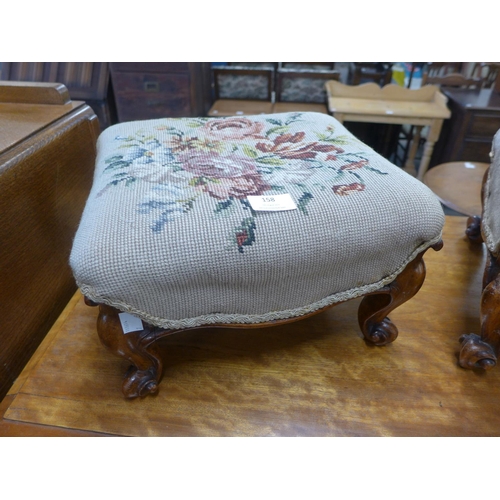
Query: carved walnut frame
{"type": "Point", "coordinates": [143, 376]}
{"type": "Point", "coordinates": [481, 351]}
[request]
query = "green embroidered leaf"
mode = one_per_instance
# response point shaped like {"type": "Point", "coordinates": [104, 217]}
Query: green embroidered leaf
{"type": "Point", "coordinates": [187, 206]}
{"type": "Point", "coordinates": [113, 159]}
{"type": "Point", "coordinates": [270, 161]}
{"type": "Point", "coordinates": [249, 151]}
{"type": "Point", "coordinates": [194, 124]}
{"type": "Point", "coordinates": [118, 164]}
{"type": "Point", "coordinates": [274, 122]}
{"type": "Point", "coordinates": [378, 171]}
{"type": "Point", "coordinates": [322, 137]}
{"type": "Point", "coordinates": [223, 205]}
{"type": "Point", "coordinates": [357, 177]}
{"type": "Point", "coordinates": [278, 130]}
{"type": "Point", "coordinates": [197, 181]}
{"type": "Point", "coordinates": [294, 118]}
{"type": "Point", "coordinates": [303, 201]}
{"type": "Point", "coordinates": [341, 139]}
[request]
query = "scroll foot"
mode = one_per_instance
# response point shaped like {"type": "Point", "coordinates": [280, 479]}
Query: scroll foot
{"type": "Point", "coordinates": [137, 347]}
{"type": "Point", "coordinates": [475, 353]}
{"type": "Point", "coordinates": [377, 328]}
{"type": "Point", "coordinates": [473, 231]}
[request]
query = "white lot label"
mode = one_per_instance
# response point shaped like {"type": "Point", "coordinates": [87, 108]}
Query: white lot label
{"type": "Point", "coordinates": [272, 203]}
{"type": "Point", "coordinates": [130, 323]}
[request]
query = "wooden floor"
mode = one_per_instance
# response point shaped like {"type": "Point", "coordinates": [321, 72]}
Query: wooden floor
{"type": "Point", "coordinates": [315, 377]}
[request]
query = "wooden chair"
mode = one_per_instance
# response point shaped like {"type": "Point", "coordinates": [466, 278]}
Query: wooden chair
{"type": "Point", "coordinates": [435, 74]}
{"type": "Point", "coordinates": [363, 72]}
{"type": "Point", "coordinates": [302, 90]}
{"type": "Point", "coordinates": [311, 66]}
{"type": "Point", "coordinates": [443, 68]}
{"type": "Point", "coordinates": [242, 91]}
{"type": "Point", "coordinates": [452, 80]}
{"type": "Point", "coordinates": [487, 72]}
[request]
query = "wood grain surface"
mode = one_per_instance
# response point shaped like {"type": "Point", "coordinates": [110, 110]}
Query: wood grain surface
{"type": "Point", "coordinates": [46, 172]}
{"type": "Point", "coordinates": [458, 185]}
{"type": "Point", "coordinates": [315, 377]}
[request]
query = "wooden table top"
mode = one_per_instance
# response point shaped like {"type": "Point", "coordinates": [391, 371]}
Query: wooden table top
{"type": "Point", "coordinates": [389, 101]}
{"type": "Point", "coordinates": [28, 107]}
{"type": "Point", "coordinates": [458, 185]}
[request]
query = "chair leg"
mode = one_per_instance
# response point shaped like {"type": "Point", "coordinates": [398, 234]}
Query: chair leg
{"type": "Point", "coordinates": [377, 328]}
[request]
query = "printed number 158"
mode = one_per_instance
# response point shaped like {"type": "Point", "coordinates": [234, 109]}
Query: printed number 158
{"type": "Point", "coordinates": [267, 199]}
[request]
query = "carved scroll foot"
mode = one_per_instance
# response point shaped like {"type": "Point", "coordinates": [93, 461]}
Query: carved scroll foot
{"type": "Point", "coordinates": [475, 353]}
{"type": "Point", "coordinates": [137, 347]}
{"type": "Point", "coordinates": [482, 351]}
{"type": "Point", "coordinates": [473, 231]}
{"type": "Point", "coordinates": [377, 328]}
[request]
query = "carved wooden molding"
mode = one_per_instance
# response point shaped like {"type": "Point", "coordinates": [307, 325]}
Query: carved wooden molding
{"type": "Point", "coordinates": [34, 93]}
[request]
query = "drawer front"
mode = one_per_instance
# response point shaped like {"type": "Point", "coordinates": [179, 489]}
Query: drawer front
{"type": "Point", "coordinates": [142, 96]}
{"type": "Point", "coordinates": [149, 67]}
{"type": "Point", "coordinates": [484, 125]}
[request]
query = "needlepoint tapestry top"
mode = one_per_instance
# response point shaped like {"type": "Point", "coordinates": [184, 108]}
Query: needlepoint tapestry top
{"type": "Point", "coordinates": [229, 159]}
{"type": "Point", "coordinates": [168, 233]}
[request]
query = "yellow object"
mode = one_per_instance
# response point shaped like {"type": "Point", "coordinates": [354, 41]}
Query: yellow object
{"type": "Point", "coordinates": [398, 75]}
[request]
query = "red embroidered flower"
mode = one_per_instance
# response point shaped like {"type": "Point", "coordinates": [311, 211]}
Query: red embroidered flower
{"type": "Point", "coordinates": [241, 237]}
{"type": "Point", "coordinates": [286, 146]}
{"type": "Point", "coordinates": [354, 165]}
{"type": "Point", "coordinates": [346, 189]}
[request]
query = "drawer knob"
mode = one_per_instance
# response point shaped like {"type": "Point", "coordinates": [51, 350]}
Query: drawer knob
{"type": "Point", "coordinates": [151, 86]}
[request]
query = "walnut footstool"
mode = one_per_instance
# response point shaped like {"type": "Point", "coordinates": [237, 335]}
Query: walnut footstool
{"type": "Point", "coordinates": [244, 221]}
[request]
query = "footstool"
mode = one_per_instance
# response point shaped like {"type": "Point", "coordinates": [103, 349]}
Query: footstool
{"type": "Point", "coordinates": [244, 222]}
{"type": "Point", "coordinates": [482, 351]}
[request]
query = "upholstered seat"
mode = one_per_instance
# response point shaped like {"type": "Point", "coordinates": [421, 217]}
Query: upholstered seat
{"type": "Point", "coordinates": [169, 235]}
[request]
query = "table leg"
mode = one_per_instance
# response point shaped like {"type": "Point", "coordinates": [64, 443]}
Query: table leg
{"type": "Point", "coordinates": [410, 162]}
{"type": "Point", "coordinates": [432, 137]}
{"type": "Point", "coordinates": [339, 117]}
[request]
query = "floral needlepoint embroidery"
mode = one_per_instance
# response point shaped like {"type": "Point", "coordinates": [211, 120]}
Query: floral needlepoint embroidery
{"type": "Point", "coordinates": [224, 160]}
{"type": "Point", "coordinates": [245, 233]}
{"type": "Point", "coordinates": [345, 189]}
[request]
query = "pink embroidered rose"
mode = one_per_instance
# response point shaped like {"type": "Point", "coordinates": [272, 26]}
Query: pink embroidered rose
{"type": "Point", "coordinates": [235, 187]}
{"type": "Point", "coordinates": [346, 189]}
{"type": "Point", "coordinates": [232, 128]}
{"type": "Point", "coordinates": [214, 165]}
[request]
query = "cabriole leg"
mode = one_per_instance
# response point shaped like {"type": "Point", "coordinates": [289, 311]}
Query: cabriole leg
{"type": "Point", "coordinates": [377, 328]}
{"type": "Point", "coordinates": [481, 351]}
{"type": "Point", "coordinates": [138, 347]}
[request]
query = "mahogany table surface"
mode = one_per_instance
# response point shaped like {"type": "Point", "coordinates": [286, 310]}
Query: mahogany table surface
{"type": "Point", "coordinates": [458, 185]}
